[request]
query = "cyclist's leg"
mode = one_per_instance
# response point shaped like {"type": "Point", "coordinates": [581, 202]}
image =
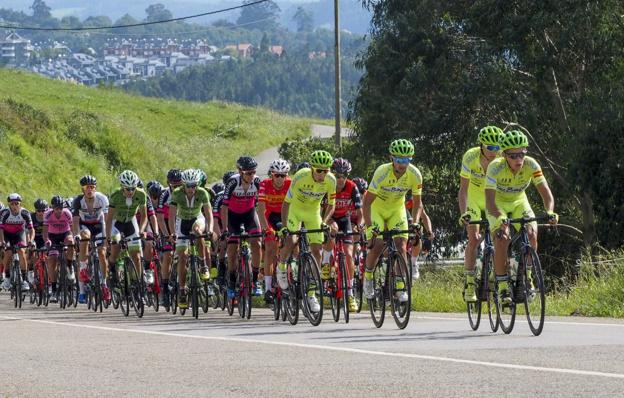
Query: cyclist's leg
{"type": "Point", "coordinates": [313, 221]}
{"type": "Point", "coordinates": [522, 208]}
{"type": "Point", "coordinates": [270, 251]}
{"type": "Point", "coordinates": [475, 205]}
{"type": "Point", "coordinates": [234, 222]}
{"type": "Point", "coordinates": [183, 227]}
{"type": "Point", "coordinates": [252, 225]}
{"type": "Point", "coordinates": [502, 238]}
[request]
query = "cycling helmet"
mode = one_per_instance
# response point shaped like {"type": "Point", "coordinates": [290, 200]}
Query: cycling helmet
{"type": "Point", "coordinates": [154, 188]}
{"type": "Point", "coordinates": [513, 139]}
{"type": "Point", "coordinates": [41, 204]}
{"type": "Point", "coordinates": [227, 175]}
{"type": "Point", "coordinates": [321, 159]}
{"type": "Point", "coordinates": [302, 165]}
{"type": "Point", "coordinates": [57, 202]}
{"type": "Point", "coordinates": [490, 135]}
{"type": "Point", "coordinates": [191, 177]}
{"type": "Point", "coordinates": [341, 166]}
{"type": "Point", "coordinates": [128, 179]}
{"type": "Point", "coordinates": [402, 148]}
{"type": "Point", "coordinates": [88, 180]}
{"type": "Point", "coordinates": [218, 188]}
{"type": "Point", "coordinates": [140, 184]}
{"type": "Point", "coordinates": [174, 175]}
{"type": "Point", "coordinates": [67, 202]}
{"type": "Point", "coordinates": [203, 178]}
{"type": "Point", "coordinates": [361, 184]}
{"type": "Point", "coordinates": [14, 197]}
{"type": "Point", "coordinates": [246, 163]}
{"type": "Point", "coordinates": [279, 166]}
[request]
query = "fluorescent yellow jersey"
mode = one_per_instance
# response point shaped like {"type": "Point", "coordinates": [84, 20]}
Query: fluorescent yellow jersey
{"type": "Point", "coordinates": [508, 186]}
{"type": "Point", "coordinates": [391, 191]}
{"type": "Point", "coordinates": [471, 169]}
{"type": "Point", "coordinates": [305, 193]}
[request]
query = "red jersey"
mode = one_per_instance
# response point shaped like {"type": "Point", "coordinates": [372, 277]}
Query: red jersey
{"type": "Point", "coordinates": [271, 196]}
{"type": "Point", "coordinates": [347, 200]}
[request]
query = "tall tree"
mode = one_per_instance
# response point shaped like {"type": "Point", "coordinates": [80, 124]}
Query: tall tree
{"type": "Point", "coordinates": [263, 16]}
{"type": "Point", "coordinates": [157, 12]}
{"type": "Point", "coordinates": [41, 11]}
{"type": "Point", "coordinates": [304, 20]}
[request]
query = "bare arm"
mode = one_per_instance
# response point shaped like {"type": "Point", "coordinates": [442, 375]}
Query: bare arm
{"type": "Point", "coordinates": [173, 212]}
{"type": "Point", "coordinates": [143, 211]}
{"type": "Point", "coordinates": [490, 203]}
{"type": "Point", "coordinates": [285, 210]}
{"type": "Point", "coordinates": [369, 198]}
{"type": "Point", "coordinates": [208, 216]}
{"type": "Point", "coordinates": [224, 217]}
{"type": "Point", "coordinates": [462, 196]}
{"type": "Point", "coordinates": [109, 221]}
{"type": "Point", "coordinates": [329, 210]}
{"type": "Point", "coordinates": [261, 215]}
{"type": "Point", "coordinates": [547, 196]}
{"type": "Point", "coordinates": [75, 225]}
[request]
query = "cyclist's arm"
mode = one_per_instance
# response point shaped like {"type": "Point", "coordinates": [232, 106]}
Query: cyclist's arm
{"type": "Point", "coordinates": [75, 225]}
{"type": "Point", "coordinates": [154, 224]}
{"type": "Point", "coordinates": [329, 210]}
{"type": "Point", "coordinates": [547, 196]}
{"type": "Point", "coordinates": [46, 237]}
{"type": "Point", "coordinates": [31, 235]}
{"type": "Point", "coordinates": [173, 213]}
{"type": "Point", "coordinates": [143, 212]}
{"type": "Point", "coordinates": [462, 196]}
{"type": "Point", "coordinates": [358, 216]}
{"type": "Point", "coordinates": [208, 216]}
{"type": "Point", "coordinates": [224, 217]}
{"type": "Point", "coordinates": [285, 210]}
{"type": "Point", "coordinates": [369, 198]}
{"type": "Point", "coordinates": [109, 222]}
{"type": "Point", "coordinates": [262, 215]}
{"type": "Point", "coordinates": [417, 208]}
{"type": "Point", "coordinates": [1, 235]}
{"type": "Point", "coordinates": [490, 203]}
{"type": "Point", "coordinates": [162, 226]}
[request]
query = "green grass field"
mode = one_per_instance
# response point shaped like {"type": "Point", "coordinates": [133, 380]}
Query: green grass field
{"type": "Point", "coordinates": [51, 133]}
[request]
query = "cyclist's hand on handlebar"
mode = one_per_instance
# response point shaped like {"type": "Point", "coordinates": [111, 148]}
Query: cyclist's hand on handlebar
{"type": "Point", "coordinates": [415, 228]}
{"type": "Point", "coordinates": [283, 232]}
{"type": "Point", "coordinates": [48, 243]}
{"type": "Point", "coordinates": [553, 218]}
{"type": "Point", "coordinates": [464, 219]}
{"type": "Point", "coordinates": [172, 238]}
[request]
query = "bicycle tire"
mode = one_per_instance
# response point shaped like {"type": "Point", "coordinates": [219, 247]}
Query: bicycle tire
{"type": "Point", "coordinates": [246, 287]}
{"type": "Point", "coordinates": [377, 304]}
{"type": "Point", "coordinates": [46, 285]}
{"type": "Point", "coordinates": [359, 281]}
{"type": "Point", "coordinates": [194, 288]}
{"type": "Point", "coordinates": [173, 292]}
{"type": "Point", "coordinates": [62, 281]}
{"type": "Point", "coordinates": [311, 279]}
{"type": "Point", "coordinates": [136, 288]}
{"type": "Point", "coordinates": [331, 290]}
{"type": "Point", "coordinates": [343, 285]}
{"type": "Point", "coordinates": [398, 272]}
{"type": "Point", "coordinates": [17, 284]}
{"type": "Point", "coordinates": [489, 290]}
{"type": "Point", "coordinates": [473, 309]}
{"type": "Point", "coordinates": [506, 313]}
{"type": "Point", "coordinates": [75, 286]}
{"type": "Point", "coordinates": [124, 302]}
{"type": "Point", "coordinates": [534, 299]}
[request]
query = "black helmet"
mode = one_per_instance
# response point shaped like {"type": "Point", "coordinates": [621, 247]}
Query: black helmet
{"type": "Point", "coordinates": [57, 201]}
{"type": "Point", "coordinates": [140, 184]}
{"type": "Point", "coordinates": [174, 175]}
{"type": "Point", "coordinates": [154, 188]}
{"type": "Point", "coordinates": [41, 204]}
{"type": "Point", "coordinates": [218, 188]}
{"type": "Point", "coordinates": [303, 165]}
{"type": "Point", "coordinates": [88, 180]}
{"type": "Point", "coordinates": [246, 163]}
{"type": "Point", "coordinates": [227, 175]}
{"type": "Point", "coordinates": [361, 184]}
{"type": "Point", "coordinates": [341, 166]}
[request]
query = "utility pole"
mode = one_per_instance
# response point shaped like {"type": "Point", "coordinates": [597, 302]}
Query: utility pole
{"type": "Point", "coordinates": [337, 70]}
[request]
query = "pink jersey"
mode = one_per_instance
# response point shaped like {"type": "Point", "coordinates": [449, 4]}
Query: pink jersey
{"type": "Point", "coordinates": [58, 225]}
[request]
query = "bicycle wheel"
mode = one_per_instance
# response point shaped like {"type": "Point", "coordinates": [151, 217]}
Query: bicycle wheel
{"type": "Point", "coordinates": [474, 309]}
{"type": "Point", "coordinates": [209, 299]}
{"type": "Point", "coordinates": [331, 290]}
{"type": "Point", "coordinates": [311, 286]}
{"type": "Point", "coordinates": [534, 294]}
{"type": "Point", "coordinates": [377, 304]}
{"type": "Point", "coordinates": [245, 291]}
{"type": "Point", "coordinates": [124, 297]}
{"type": "Point", "coordinates": [45, 283]}
{"type": "Point", "coordinates": [343, 285]}
{"type": "Point", "coordinates": [62, 286]}
{"type": "Point", "coordinates": [74, 286]}
{"type": "Point", "coordinates": [97, 279]}
{"type": "Point", "coordinates": [16, 276]}
{"type": "Point", "coordinates": [194, 290]}
{"type": "Point", "coordinates": [135, 283]}
{"type": "Point", "coordinates": [506, 311]}
{"type": "Point", "coordinates": [400, 281]}
{"type": "Point", "coordinates": [489, 291]}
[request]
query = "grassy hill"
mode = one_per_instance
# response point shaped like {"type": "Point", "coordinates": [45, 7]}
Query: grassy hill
{"type": "Point", "coordinates": [51, 133]}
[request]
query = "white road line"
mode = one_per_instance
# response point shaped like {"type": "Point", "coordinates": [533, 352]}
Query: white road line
{"type": "Point", "coordinates": [548, 322]}
{"type": "Point", "coordinates": [576, 372]}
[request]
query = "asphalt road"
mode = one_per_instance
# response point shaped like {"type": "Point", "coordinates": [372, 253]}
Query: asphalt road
{"type": "Point", "coordinates": [52, 352]}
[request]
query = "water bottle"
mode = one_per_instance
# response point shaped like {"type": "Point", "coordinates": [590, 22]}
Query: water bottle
{"type": "Point", "coordinates": [513, 268]}
{"type": "Point", "coordinates": [31, 277]}
{"type": "Point", "coordinates": [119, 265]}
{"type": "Point", "coordinates": [295, 269]}
{"type": "Point", "coordinates": [382, 269]}
{"type": "Point", "coordinates": [478, 267]}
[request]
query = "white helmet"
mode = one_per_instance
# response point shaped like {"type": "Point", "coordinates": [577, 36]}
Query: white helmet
{"type": "Point", "coordinates": [279, 166]}
{"type": "Point", "coordinates": [128, 179]}
{"type": "Point", "coordinates": [191, 177]}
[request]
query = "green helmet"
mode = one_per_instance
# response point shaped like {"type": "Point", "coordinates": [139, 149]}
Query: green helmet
{"type": "Point", "coordinates": [490, 135]}
{"type": "Point", "coordinates": [402, 148]}
{"type": "Point", "coordinates": [513, 139]}
{"type": "Point", "coordinates": [321, 159]}
{"type": "Point", "coordinates": [203, 178]}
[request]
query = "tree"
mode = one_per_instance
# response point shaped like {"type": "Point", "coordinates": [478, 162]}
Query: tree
{"type": "Point", "coordinates": [41, 11]}
{"type": "Point", "coordinates": [101, 20]}
{"type": "Point", "coordinates": [263, 16]}
{"type": "Point", "coordinates": [71, 22]}
{"type": "Point", "coordinates": [126, 19]}
{"type": "Point", "coordinates": [304, 20]}
{"type": "Point", "coordinates": [157, 12]}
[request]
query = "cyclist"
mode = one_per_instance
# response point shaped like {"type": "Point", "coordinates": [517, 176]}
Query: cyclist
{"type": "Point", "coordinates": [302, 204]}
{"type": "Point", "coordinates": [507, 178]}
{"type": "Point", "coordinates": [271, 196]}
{"type": "Point", "coordinates": [239, 207]}
{"type": "Point", "coordinates": [89, 212]}
{"type": "Point", "coordinates": [218, 229]}
{"type": "Point", "coordinates": [174, 180]}
{"type": "Point", "coordinates": [40, 206]}
{"type": "Point", "coordinates": [348, 203]}
{"type": "Point", "coordinates": [188, 205]}
{"type": "Point", "coordinates": [471, 197]}
{"type": "Point", "coordinates": [384, 206]}
{"type": "Point", "coordinates": [121, 218]}
{"type": "Point", "coordinates": [57, 228]}
{"type": "Point", "coordinates": [16, 229]}
{"type": "Point", "coordinates": [423, 243]}
{"type": "Point", "coordinates": [203, 179]}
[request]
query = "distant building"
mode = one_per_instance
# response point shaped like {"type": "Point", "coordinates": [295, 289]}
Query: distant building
{"type": "Point", "coordinates": [243, 50]}
{"type": "Point", "coordinates": [15, 50]}
{"type": "Point", "coordinates": [277, 50]}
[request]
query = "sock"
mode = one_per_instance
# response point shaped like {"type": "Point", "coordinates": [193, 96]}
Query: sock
{"type": "Point", "coordinates": [82, 287]}
{"type": "Point", "coordinates": [83, 264]}
{"type": "Point", "coordinates": [268, 280]}
{"type": "Point", "coordinates": [414, 261]}
{"type": "Point", "coordinates": [326, 256]}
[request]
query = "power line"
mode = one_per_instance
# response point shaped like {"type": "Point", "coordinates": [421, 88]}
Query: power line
{"type": "Point", "coordinates": [135, 24]}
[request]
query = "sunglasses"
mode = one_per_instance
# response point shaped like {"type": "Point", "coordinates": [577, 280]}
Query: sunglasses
{"type": "Point", "coordinates": [279, 175]}
{"type": "Point", "coordinates": [493, 148]}
{"type": "Point", "coordinates": [127, 189]}
{"type": "Point", "coordinates": [516, 155]}
{"type": "Point", "coordinates": [40, 211]}
{"type": "Point", "coordinates": [341, 176]}
{"type": "Point", "coordinates": [191, 186]}
{"type": "Point", "coordinates": [402, 160]}
{"type": "Point", "coordinates": [321, 171]}
{"type": "Point", "coordinates": [89, 186]}
{"type": "Point", "coordinates": [249, 172]}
